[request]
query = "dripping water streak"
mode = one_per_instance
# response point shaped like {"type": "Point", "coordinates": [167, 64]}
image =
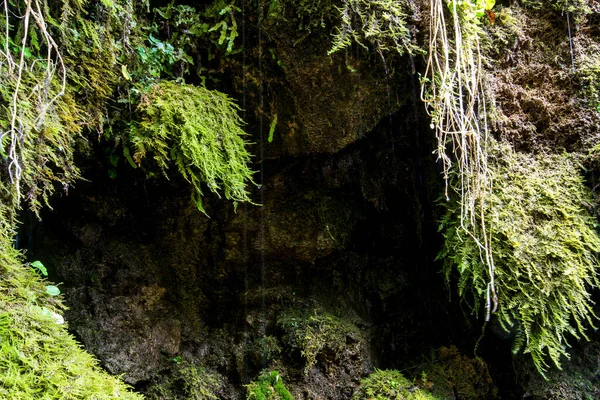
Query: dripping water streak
{"type": "Point", "coordinates": [244, 205]}
{"type": "Point", "coordinates": [262, 184]}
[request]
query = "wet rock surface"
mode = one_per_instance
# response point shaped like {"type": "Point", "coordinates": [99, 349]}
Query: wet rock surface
{"type": "Point", "coordinates": [152, 282]}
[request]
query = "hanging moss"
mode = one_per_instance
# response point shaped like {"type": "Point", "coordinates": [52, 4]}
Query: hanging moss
{"type": "Point", "coordinates": [544, 248]}
{"type": "Point", "coordinates": [197, 130]}
{"type": "Point", "coordinates": [389, 385]}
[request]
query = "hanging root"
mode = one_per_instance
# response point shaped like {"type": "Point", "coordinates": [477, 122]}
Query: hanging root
{"type": "Point", "coordinates": [453, 92]}
{"type": "Point", "coordinates": [25, 93]}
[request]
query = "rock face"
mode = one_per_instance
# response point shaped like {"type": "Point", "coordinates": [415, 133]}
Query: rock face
{"type": "Point", "coordinates": [152, 282]}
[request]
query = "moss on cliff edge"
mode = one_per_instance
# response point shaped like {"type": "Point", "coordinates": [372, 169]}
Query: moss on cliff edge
{"type": "Point", "coordinates": [39, 359]}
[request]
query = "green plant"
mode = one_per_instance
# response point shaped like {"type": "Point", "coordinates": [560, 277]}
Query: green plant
{"type": "Point", "coordinates": [269, 386]}
{"type": "Point", "coordinates": [386, 24]}
{"type": "Point", "coordinates": [389, 385]}
{"type": "Point", "coordinates": [187, 382]}
{"type": "Point", "coordinates": [545, 250]}
{"type": "Point", "coordinates": [199, 131]}
{"type": "Point", "coordinates": [315, 332]}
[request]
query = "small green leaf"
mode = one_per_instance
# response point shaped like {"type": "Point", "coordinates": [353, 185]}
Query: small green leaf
{"type": "Point", "coordinates": [127, 154]}
{"type": "Point", "coordinates": [272, 129]}
{"type": "Point", "coordinates": [114, 159]}
{"type": "Point", "coordinates": [125, 73]}
{"type": "Point", "coordinates": [52, 290]}
{"type": "Point", "coordinates": [40, 267]}
{"type": "Point", "coordinates": [489, 4]}
{"type": "Point", "coordinates": [45, 312]}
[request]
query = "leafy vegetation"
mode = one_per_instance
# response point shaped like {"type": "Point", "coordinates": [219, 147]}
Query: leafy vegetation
{"type": "Point", "coordinates": [386, 24]}
{"type": "Point", "coordinates": [389, 385]}
{"type": "Point", "coordinates": [545, 247]}
{"type": "Point", "coordinates": [188, 382]}
{"type": "Point", "coordinates": [200, 132]}
{"type": "Point", "coordinates": [269, 386]}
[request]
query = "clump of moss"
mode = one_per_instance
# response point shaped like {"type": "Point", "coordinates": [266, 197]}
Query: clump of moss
{"type": "Point", "coordinates": [319, 333]}
{"type": "Point", "coordinates": [454, 374]}
{"type": "Point", "coordinates": [188, 382]}
{"type": "Point", "coordinates": [269, 386]}
{"type": "Point", "coordinates": [389, 385]}
{"type": "Point", "coordinates": [544, 249]}
{"type": "Point", "coordinates": [197, 130]}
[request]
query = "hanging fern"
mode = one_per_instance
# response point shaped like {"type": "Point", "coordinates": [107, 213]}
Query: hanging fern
{"type": "Point", "coordinates": [545, 251]}
{"type": "Point", "coordinates": [197, 130]}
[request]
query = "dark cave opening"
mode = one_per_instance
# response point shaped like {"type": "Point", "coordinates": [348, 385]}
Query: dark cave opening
{"type": "Point", "coordinates": [148, 278]}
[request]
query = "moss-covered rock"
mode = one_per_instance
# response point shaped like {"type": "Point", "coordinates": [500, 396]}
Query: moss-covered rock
{"type": "Point", "coordinates": [187, 382]}
{"type": "Point", "coordinates": [389, 385]}
{"type": "Point", "coordinates": [453, 375]}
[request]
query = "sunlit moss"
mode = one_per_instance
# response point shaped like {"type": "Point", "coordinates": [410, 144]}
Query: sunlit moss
{"type": "Point", "coordinates": [389, 385]}
{"type": "Point", "coordinates": [268, 386]}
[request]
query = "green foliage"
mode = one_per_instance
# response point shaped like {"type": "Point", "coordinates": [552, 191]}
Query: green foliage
{"type": "Point", "coordinates": [97, 39]}
{"type": "Point", "coordinates": [389, 385]}
{"type": "Point", "coordinates": [59, 69]}
{"type": "Point", "coordinates": [471, 10]}
{"type": "Point", "coordinates": [200, 132]}
{"type": "Point", "coordinates": [39, 359]}
{"type": "Point", "coordinates": [588, 75]}
{"type": "Point", "coordinates": [188, 382]}
{"type": "Point", "coordinates": [39, 266]}
{"type": "Point", "coordinates": [269, 386]}
{"type": "Point", "coordinates": [315, 332]}
{"type": "Point", "coordinates": [191, 30]}
{"type": "Point", "coordinates": [544, 250]}
{"type": "Point", "coordinates": [386, 24]}
{"type": "Point", "coordinates": [310, 15]}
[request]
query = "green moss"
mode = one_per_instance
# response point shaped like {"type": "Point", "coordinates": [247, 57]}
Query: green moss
{"type": "Point", "coordinates": [544, 248]}
{"type": "Point", "coordinates": [453, 373]}
{"type": "Point", "coordinates": [315, 332]}
{"type": "Point", "coordinates": [188, 382]}
{"type": "Point", "coordinates": [269, 386]}
{"type": "Point", "coordinates": [386, 24]}
{"type": "Point", "coordinates": [389, 385]}
{"type": "Point", "coordinates": [197, 130]}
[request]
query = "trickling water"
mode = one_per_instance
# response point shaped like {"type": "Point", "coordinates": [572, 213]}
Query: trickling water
{"type": "Point", "coordinates": [244, 209]}
{"type": "Point", "coordinates": [262, 328]}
